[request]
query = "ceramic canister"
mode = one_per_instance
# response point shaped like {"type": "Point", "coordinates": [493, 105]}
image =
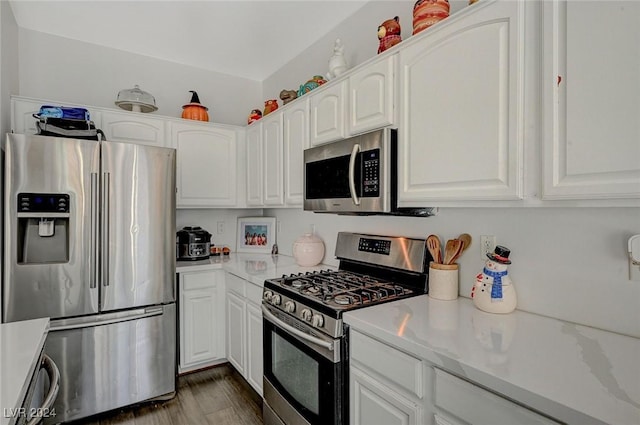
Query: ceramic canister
{"type": "Point", "coordinates": [443, 281]}
{"type": "Point", "coordinates": [308, 250]}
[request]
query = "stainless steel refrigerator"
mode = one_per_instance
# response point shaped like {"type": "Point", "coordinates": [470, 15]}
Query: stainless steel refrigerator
{"type": "Point", "coordinates": [90, 242]}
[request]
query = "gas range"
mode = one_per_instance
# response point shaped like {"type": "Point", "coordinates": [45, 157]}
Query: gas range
{"type": "Point", "coordinates": [373, 270]}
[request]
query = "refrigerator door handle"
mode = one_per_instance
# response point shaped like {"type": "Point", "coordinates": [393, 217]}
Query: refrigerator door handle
{"type": "Point", "coordinates": [93, 260]}
{"type": "Point", "coordinates": [105, 228]}
{"type": "Point", "coordinates": [108, 319]}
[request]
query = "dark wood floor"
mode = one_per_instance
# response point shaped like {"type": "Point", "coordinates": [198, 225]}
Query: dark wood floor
{"type": "Point", "coordinates": [216, 396]}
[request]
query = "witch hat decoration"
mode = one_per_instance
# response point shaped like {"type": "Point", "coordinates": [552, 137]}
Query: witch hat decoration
{"type": "Point", "coordinates": [194, 97]}
{"type": "Point", "coordinates": [194, 110]}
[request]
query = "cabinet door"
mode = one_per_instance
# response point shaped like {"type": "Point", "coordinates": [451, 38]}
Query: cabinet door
{"type": "Point", "coordinates": [371, 96]}
{"type": "Point", "coordinates": [373, 403]}
{"type": "Point", "coordinates": [272, 163]}
{"type": "Point", "coordinates": [236, 332]}
{"type": "Point", "coordinates": [254, 347]}
{"type": "Point", "coordinates": [206, 165]}
{"type": "Point", "coordinates": [202, 337]}
{"type": "Point", "coordinates": [254, 164]}
{"type": "Point", "coordinates": [591, 145]}
{"type": "Point", "coordinates": [328, 110]}
{"type": "Point", "coordinates": [296, 140]}
{"type": "Point", "coordinates": [22, 110]}
{"type": "Point", "coordinates": [131, 127]}
{"type": "Point", "coordinates": [461, 134]}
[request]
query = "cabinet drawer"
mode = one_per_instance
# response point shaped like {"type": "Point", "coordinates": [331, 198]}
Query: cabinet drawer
{"type": "Point", "coordinates": [197, 280]}
{"type": "Point", "coordinates": [236, 285]}
{"type": "Point", "coordinates": [254, 293]}
{"type": "Point", "coordinates": [396, 366]}
{"type": "Point", "coordinates": [479, 406]}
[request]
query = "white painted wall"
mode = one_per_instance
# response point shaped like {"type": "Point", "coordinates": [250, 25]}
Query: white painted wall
{"type": "Point", "coordinates": [359, 34]}
{"type": "Point", "coordinates": [568, 263]}
{"type": "Point", "coordinates": [208, 219]}
{"type": "Point", "coordinates": [62, 69]}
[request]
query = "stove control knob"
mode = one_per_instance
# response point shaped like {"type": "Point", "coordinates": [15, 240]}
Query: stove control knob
{"type": "Point", "coordinates": [267, 295]}
{"type": "Point", "coordinates": [306, 315]}
{"type": "Point", "coordinates": [317, 320]}
{"type": "Point", "coordinates": [289, 306]}
{"type": "Point", "coordinates": [275, 300]}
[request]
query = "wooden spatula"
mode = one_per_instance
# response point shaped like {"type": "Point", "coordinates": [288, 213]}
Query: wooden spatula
{"type": "Point", "coordinates": [433, 245]}
{"type": "Point", "coordinates": [452, 250]}
{"type": "Point", "coordinates": [466, 239]}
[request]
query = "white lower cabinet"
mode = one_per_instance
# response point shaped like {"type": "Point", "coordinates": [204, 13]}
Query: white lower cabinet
{"type": "Point", "coordinates": [389, 386]}
{"type": "Point", "coordinates": [244, 329]}
{"type": "Point", "coordinates": [386, 386]}
{"type": "Point", "coordinates": [472, 404]}
{"type": "Point", "coordinates": [202, 319]}
{"type": "Point", "coordinates": [373, 403]}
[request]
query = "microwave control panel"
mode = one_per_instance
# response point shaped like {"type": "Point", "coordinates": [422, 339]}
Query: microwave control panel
{"type": "Point", "coordinates": [371, 173]}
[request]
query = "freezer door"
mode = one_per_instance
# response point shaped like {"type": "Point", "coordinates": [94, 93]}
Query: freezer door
{"type": "Point", "coordinates": [50, 271]}
{"type": "Point", "coordinates": [119, 359]}
{"type": "Point", "coordinates": [138, 226]}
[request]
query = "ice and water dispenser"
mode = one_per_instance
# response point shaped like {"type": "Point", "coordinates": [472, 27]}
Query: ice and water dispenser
{"type": "Point", "coordinates": [43, 228]}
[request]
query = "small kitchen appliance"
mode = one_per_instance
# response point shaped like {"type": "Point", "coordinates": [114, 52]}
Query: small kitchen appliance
{"type": "Point", "coordinates": [193, 243]}
{"type": "Point", "coordinates": [357, 175]}
{"type": "Point", "coordinates": [304, 338]}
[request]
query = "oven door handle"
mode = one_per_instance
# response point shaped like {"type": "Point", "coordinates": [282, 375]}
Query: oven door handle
{"type": "Point", "coordinates": [296, 332]}
{"type": "Point", "coordinates": [352, 172]}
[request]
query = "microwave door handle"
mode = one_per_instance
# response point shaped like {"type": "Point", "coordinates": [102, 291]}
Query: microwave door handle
{"type": "Point", "coordinates": [352, 172]}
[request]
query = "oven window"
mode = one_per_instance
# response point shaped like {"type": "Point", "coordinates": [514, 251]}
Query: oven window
{"type": "Point", "coordinates": [296, 372]}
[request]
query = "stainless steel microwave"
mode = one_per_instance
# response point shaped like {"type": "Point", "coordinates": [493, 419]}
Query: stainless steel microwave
{"type": "Point", "coordinates": [357, 175]}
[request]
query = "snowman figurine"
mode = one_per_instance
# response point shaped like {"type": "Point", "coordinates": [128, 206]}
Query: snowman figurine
{"type": "Point", "coordinates": [493, 291]}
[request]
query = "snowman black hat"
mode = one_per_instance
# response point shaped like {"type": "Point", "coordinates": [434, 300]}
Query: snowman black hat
{"type": "Point", "coordinates": [500, 255]}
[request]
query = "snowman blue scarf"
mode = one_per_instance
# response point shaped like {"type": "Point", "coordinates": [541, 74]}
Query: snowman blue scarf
{"type": "Point", "coordinates": [496, 287]}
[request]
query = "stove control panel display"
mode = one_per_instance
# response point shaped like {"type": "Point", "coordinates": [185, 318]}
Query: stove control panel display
{"type": "Point", "coordinates": [376, 246]}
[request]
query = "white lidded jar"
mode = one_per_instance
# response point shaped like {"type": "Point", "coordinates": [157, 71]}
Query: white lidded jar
{"type": "Point", "coordinates": [308, 250]}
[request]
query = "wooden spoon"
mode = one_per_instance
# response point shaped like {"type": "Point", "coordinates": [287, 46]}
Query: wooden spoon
{"type": "Point", "coordinates": [466, 239]}
{"type": "Point", "coordinates": [452, 250]}
{"type": "Point", "coordinates": [433, 245]}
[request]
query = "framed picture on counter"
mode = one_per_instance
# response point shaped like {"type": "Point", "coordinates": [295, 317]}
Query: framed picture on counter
{"type": "Point", "coordinates": [256, 234]}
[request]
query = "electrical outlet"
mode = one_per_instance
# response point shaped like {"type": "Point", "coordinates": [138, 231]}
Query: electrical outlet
{"type": "Point", "coordinates": [220, 227]}
{"type": "Point", "coordinates": [487, 245]}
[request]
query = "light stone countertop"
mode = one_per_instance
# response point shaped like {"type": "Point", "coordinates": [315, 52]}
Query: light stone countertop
{"type": "Point", "coordinates": [21, 344]}
{"type": "Point", "coordinates": [574, 373]}
{"type": "Point", "coordinates": [255, 268]}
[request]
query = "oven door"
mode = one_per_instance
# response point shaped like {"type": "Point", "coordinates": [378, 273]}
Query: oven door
{"type": "Point", "coordinates": [304, 374]}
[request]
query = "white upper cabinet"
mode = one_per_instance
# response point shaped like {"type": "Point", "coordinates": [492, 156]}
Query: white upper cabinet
{"type": "Point", "coordinates": [591, 87]}
{"type": "Point", "coordinates": [327, 113]}
{"type": "Point", "coordinates": [371, 96]}
{"type": "Point", "coordinates": [273, 157]}
{"type": "Point", "coordinates": [206, 164]}
{"type": "Point", "coordinates": [461, 97]}
{"type": "Point", "coordinates": [296, 140]}
{"type": "Point", "coordinates": [131, 127]}
{"type": "Point", "coordinates": [254, 164]}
